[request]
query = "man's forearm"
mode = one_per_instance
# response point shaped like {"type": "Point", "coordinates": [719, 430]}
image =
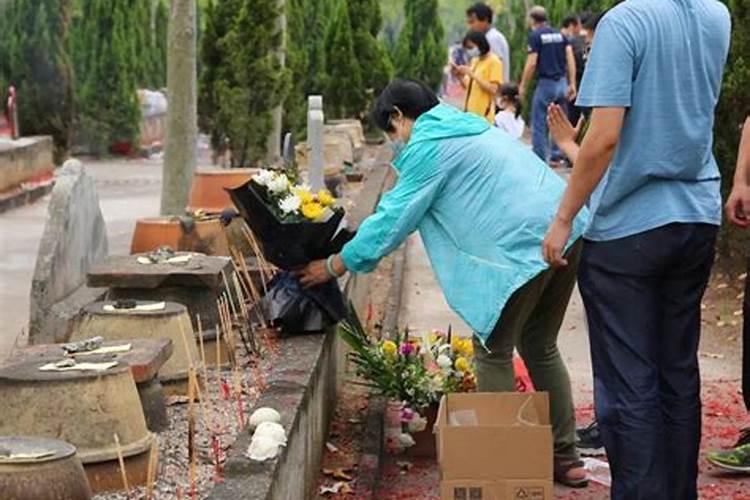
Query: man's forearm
{"type": "Point", "coordinates": [590, 165]}
{"type": "Point", "coordinates": [742, 171]}
{"type": "Point", "coordinates": [571, 68]}
{"type": "Point", "coordinates": [528, 71]}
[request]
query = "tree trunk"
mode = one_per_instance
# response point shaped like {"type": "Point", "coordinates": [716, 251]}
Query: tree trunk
{"type": "Point", "coordinates": [273, 154]}
{"type": "Point", "coordinates": [182, 128]}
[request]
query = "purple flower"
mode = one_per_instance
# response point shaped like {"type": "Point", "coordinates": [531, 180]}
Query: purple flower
{"type": "Point", "coordinates": [406, 414]}
{"type": "Point", "coordinates": [407, 349]}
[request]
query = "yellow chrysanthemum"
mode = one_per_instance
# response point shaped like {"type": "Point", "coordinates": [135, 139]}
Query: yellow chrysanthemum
{"type": "Point", "coordinates": [468, 348]}
{"type": "Point", "coordinates": [304, 195]}
{"type": "Point", "coordinates": [462, 364]}
{"type": "Point", "coordinates": [325, 198]}
{"type": "Point", "coordinates": [312, 211]}
{"type": "Point", "coordinates": [389, 348]}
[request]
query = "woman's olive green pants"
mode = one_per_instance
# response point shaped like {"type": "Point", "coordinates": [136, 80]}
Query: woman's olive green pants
{"type": "Point", "coordinates": [530, 322]}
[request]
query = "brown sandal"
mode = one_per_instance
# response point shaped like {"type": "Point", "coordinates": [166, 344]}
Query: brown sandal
{"type": "Point", "coordinates": [563, 467]}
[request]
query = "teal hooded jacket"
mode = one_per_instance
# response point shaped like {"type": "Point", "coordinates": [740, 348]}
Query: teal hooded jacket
{"type": "Point", "coordinates": [482, 203]}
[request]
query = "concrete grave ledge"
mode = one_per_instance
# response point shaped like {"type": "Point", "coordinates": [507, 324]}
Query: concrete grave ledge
{"type": "Point", "coordinates": [303, 388]}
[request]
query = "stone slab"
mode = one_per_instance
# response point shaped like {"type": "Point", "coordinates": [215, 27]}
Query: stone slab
{"type": "Point", "coordinates": [74, 238]}
{"type": "Point", "coordinates": [144, 359]}
{"type": "Point", "coordinates": [125, 272]}
{"type": "Point", "coordinates": [303, 390]}
{"type": "Point", "coordinates": [24, 159]}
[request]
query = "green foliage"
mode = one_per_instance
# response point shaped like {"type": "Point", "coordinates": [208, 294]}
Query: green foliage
{"type": "Point", "coordinates": [374, 62]}
{"type": "Point", "coordinates": [34, 58]}
{"type": "Point", "coordinates": [242, 80]}
{"type": "Point", "coordinates": [734, 107]}
{"type": "Point", "coordinates": [421, 52]}
{"type": "Point", "coordinates": [344, 90]}
{"type": "Point", "coordinates": [108, 69]}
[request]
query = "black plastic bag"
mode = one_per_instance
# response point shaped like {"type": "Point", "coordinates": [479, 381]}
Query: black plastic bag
{"type": "Point", "coordinates": [289, 245]}
{"type": "Point", "coordinates": [297, 310]}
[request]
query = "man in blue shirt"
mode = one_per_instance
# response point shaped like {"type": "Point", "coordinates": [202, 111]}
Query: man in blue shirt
{"type": "Point", "coordinates": [653, 80]}
{"type": "Point", "coordinates": [551, 58]}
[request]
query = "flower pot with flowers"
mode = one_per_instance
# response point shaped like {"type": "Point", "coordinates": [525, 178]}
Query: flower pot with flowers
{"type": "Point", "coordinates": [413, 373]}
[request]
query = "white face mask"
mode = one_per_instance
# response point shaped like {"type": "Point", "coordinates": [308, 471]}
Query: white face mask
{"type": "Point", "coordinates": [472, 53]}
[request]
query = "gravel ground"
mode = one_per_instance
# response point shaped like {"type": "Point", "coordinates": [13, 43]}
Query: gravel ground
{"type": "Point", "coordinates": [219, 416]}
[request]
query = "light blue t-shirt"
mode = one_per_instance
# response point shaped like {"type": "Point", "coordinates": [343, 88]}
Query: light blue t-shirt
{"type": "Point", "coordinates": [663, 60]}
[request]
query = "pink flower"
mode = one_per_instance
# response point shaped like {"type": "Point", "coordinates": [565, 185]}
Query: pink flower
{"type": "Point", "coordinates": [406, 414]}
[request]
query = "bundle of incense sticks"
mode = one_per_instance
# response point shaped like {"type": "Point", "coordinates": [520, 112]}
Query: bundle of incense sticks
{"type": "Point", "coordinates": [241, 265]}
{"type": "Point", "coordinates": [230, 297]}
{"type": "Point", "coordinates": [246, 324]}
{"type": "Point", "coordinates": [192, 386]}
{"type": "Point", "coordinates": [266, 270]}
{"type": "Point", "coordinates": [240, 330]}
{"type": "Point", "coordinates": [226, 327]}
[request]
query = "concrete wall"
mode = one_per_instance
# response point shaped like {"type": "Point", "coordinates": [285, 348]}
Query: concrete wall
{"type": "Point", "coordinates": [24, 159]}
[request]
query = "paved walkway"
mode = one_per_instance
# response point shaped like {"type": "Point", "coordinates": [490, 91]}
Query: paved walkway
{"type": "Point", "coordinates": [127, 190]}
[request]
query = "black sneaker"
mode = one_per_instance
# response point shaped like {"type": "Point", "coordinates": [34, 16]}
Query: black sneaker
{"type": "Point", "coordinates": [589, 441]}
{"type": "Point", "coordinates": [744, 438]}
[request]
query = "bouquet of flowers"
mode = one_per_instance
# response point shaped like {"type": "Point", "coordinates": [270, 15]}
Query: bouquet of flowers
{"type": "Point", "coordinates": [293, 225]}
{"type": "Point", "coordinates": [413, 372]}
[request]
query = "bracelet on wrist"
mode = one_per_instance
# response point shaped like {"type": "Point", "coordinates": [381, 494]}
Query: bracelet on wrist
{"type": "Point", "coordinates": [329, 268]}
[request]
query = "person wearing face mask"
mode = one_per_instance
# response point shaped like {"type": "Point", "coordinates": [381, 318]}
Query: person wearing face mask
{"type": "Point", "coordinates": [481, 78]}
{"type": "Point", "coordinates": [481, 201]}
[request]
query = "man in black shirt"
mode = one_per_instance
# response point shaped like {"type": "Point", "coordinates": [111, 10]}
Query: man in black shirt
{"type": "Point", "coordinates": [551, 59]}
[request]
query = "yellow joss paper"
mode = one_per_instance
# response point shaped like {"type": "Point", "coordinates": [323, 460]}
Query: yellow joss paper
{"type": "Point", "coordinates": [312, 210]}
{"type": "Point", "coordinates": [325, 198]}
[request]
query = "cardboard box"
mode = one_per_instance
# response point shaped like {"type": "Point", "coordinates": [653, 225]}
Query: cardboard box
{"type": "Point", "coordinates": [495, 446]}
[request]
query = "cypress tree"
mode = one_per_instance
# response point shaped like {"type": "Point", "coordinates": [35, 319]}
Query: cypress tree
{"type": "Point", "coordinates": [36, 62]}
{"type": "Point", "coordinates": [107, 74]}
{"type": "Point", "coordinates": [344, 94]}
{"type": "Point", "coordinates": [374, 61]}
{"type": "Point", "coordinates": [420, 51]}
{"type": "Point", "coordinates": [242, 79]}
{"type": "Point", "coordinates": [297, 60]}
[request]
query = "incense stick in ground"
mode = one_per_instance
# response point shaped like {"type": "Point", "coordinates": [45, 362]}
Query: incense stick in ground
{"type": "Point", "coordinates": [121, 460]}
{"type": "Point", "coordinates": [229, 293]}
{"type": "Point", "coordinates": [153, 463]}
{"type": "Point", "coordinates": [202, 348]}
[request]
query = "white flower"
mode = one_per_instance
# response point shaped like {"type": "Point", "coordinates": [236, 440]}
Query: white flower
{"type": "Point", "coordinates": [264, 414]}
{"type": "Point", "coordinates": [405, 440]}
{"type": "Point", "coordinates": [271, 430]}
{"type": "Point", "coordinates": [263, 177]}
{"type": "Point", "coordinates": [262, 448]}
{"type": "Point", "coordinates": [279, 184]}
{"type": "Point", "coordinates": [417, 424]}
{"type": "Point", "coordinates": [290, 204]}
{"type": "Point", "coordinates": [444, 362]}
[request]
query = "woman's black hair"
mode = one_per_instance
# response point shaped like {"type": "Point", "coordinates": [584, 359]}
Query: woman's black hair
{"type": "Point", "coordinates": [411, 97]}
{"type": "Point", "coordinates": [478, 39]}
{"type": "Point", "coordinates": [510, 92]}
{"type": "Point", "coordinates": [593, 21]}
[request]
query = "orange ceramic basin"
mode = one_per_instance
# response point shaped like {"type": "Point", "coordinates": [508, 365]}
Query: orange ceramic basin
{"type": "Point", "coordinates": [208, 193]}
{"type": "Point", "coordinates": [207, 236]}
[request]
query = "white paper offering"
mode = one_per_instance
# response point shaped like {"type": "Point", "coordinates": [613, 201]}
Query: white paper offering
{"type": "Point", "coordinates": [82, 367]}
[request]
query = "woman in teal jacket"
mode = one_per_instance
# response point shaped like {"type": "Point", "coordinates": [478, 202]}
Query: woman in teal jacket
{"type": "Point", "coordinates": [482, 203]}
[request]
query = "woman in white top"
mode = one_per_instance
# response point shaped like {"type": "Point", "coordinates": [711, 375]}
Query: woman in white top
{"type": "Point", "coordinates": [509, 117]}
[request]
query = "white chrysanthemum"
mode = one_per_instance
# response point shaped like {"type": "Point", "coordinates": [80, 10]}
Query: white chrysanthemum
{"type": "Point", "coordinates": [279, 184]}
{"type": "Point", "coordinates": [290, 204]}
{"type": "Point", "coordinates": [444, 362]}
{"type": "Point", "coordinates": [417, 424]}
{"type": "Point", "coordinates": [263, 177]}
{"type": "Point", "coordinates": [406, 441]}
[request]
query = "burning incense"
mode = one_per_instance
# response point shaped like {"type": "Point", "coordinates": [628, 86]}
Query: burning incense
{"type": "Point", "coordinates": [121, 460]}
